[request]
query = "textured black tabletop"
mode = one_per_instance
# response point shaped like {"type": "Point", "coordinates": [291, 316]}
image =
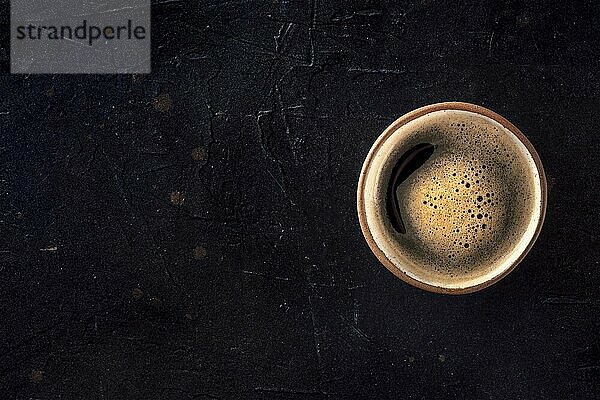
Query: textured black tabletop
{"type": "Point", "coordinates": [192, 233]}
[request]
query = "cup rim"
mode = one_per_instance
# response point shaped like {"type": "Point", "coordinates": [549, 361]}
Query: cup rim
{"type": "Point", "coordinates": [393, 127]}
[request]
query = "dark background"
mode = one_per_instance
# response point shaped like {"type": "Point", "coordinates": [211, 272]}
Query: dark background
{"type": "Point", "coordinates": [192, 234]}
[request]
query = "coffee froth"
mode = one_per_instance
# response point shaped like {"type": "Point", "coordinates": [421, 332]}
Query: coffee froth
{"type": "Point", "coordinates": [451, 198]}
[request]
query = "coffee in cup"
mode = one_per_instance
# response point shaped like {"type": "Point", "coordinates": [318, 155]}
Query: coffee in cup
{"type": "Point", "coordinates": [451, 197]}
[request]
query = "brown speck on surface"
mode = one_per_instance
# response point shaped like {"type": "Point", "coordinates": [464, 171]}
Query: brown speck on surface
{"type": "Point", "coordinates": [199, 252]}
{"type": "Point", "coordinates": [36, 376]}
{"type": "Point", "coordinates": [442, 358]}
{"type": "Point", "coordinates": [155, 302]}
{"type": "Point", "coordinates": [137, 293]}
{"type": "Point", "coordinates": [163, 102]}
{"type": "Point", "coordinates": [411, 359]}
{"type": "Point", "coordinates": [199, 154]}
{"type": "Point", "coordinates": [177, 198]}
{"type": "Point", "coordinates": [50, 91]}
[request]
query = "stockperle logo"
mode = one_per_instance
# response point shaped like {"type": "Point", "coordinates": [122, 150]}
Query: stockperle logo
{"type": "Point", "coordinates": [80, 36]}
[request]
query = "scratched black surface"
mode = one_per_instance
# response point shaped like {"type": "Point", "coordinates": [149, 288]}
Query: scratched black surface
{"type": "Point", "coordinates": [192, 234]}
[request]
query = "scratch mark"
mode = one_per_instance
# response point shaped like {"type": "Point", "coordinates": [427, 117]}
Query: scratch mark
{"type": "Point", "coordinates": [569, 301]}
{"type": "Point", "coordinates": [589, 368]}
{"type": "Point", "coordinates": [315, 335]}
{"type": "Point", "coordinates": [268, 153]}
{"type": "Point", "coordinates": [490, 45]}
{"type": "Point", "coordinates": [262, 134]}
{"type": "Point", "coordinates": [352, 326]}
{"type": "Point", "coordinates": [158, 168]}
{"type": "Point", "coordinates": [359, 13]}
{"type": "Point", "coordinates": [333, 285]}
{"type": "Point", "coordinates": [114, 10]}
{"type": "Point", "coordinates": [50, 247]}
{"type": "Point", "coordinates": [165, 2]}
{"type": "Point", "coordinates": [281, 36]}
{"type": "Point", "coordinates": [282, 109]}
{"type": "Point", "coordinates": [207, 153]}
{"type": "Point", "coordinates": [378, 71]}
{"type": "Point", "coordinates": [253, 273]}
{"type": "Point", "coordinates": [279, 184]}
{"type": "Point", "coordinates": [355, 311]}
{"type": "Point", "coordinates": [289, 390]}
{"type": "Point", "coordinates": [311, 30]}
{"type": "Point", "coordinates": [262, 274]}
{"type": "Point", "coordinates": [256, 46]}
